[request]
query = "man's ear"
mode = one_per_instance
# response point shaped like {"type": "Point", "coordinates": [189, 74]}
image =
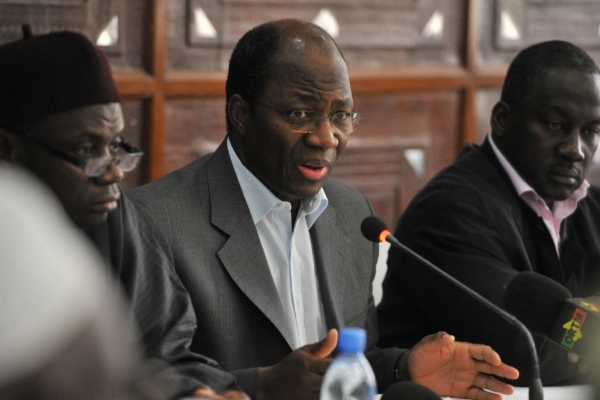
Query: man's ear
{"type": "Point", "coordinates": [9, 147]}
{"type": "Point", "coordinates": [238, 113]}
{"type": "Point", "coordinates": [499, 120]}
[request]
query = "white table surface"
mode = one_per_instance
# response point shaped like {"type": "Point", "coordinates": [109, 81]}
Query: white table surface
{"type": "Point", "coordinates": [580, 392]}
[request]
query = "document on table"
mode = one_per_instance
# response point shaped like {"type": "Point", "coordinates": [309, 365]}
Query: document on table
{"type": "Point", "coordinates": [579, 392]}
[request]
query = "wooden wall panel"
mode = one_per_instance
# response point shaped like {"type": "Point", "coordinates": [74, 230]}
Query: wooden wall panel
{"type": "Point", "coordinates": [510, 25]}
{"type": "Point", "coordinates": [195, 127]}
{"type": "Point", "coordinates": [42, 18]}
{"type": "Point", "coordinates": [485, 101]}
{"type": "Point", "coordinates": [88, 17]}
{"type": "Point", "coordinates": [133, 114]}
{"type": "Point", "coordinates": [382, 157]}
{"type": "Point", "coordinates": [372, 34]}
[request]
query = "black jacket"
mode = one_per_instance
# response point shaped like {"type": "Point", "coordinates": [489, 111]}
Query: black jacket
{"type": "Point", "coordinates": [470, 222]}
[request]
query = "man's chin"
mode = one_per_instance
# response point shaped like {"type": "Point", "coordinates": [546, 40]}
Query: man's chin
{"type": "Point", "coordinates": [90, 220]}
{"type": "Point", "coordinates": [560, 194]}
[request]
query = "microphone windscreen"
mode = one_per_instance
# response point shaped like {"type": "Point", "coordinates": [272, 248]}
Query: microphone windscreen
{"type": "Point", "coordinates": [409, 391]}
{"type": "Point", "coordinates": [371, 228]}
{"type": "Point", "coordinates": [535, 300]}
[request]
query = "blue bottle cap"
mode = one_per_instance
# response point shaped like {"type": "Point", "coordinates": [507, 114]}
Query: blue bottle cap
{"type": "Point", "coordinates": [352, 340]}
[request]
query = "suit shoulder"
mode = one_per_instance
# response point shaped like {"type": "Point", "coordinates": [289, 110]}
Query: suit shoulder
{"type": "Point", "coordinates": [472, 179]}
{"type": "Point", "coordinates": [185, 178]}
{"type": "Point", "coordinates": [592, 200]}
{"type": "Point", "coordinates": [349, 203]}
{"type": "Point", "coordinates": [338, 192]}
{"type": "Point", "coordinates": [594, 192]}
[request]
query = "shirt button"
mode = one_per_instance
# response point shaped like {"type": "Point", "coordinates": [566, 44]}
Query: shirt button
{"type": "Point", "coordinates": [572, 357]}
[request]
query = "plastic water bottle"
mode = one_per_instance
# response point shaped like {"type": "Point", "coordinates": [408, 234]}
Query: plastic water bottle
{"type": "Point", "coordinates": [350, 376]}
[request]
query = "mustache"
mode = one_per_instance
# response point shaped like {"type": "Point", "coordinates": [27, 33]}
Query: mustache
{"type": "Point", "coordinates": [566, 168]}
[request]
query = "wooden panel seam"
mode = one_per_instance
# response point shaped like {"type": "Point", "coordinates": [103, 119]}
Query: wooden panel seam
{"type": "Point", "coordinates": [212, 84]}
{"type": "Point", "coordinates": [135, 83]}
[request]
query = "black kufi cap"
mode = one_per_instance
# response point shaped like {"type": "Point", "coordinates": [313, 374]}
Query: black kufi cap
{"type": "Point", "coordinates": [47, 74]}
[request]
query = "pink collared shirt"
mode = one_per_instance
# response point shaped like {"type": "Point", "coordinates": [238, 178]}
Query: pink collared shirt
{"type": "Point", "coordinates": [560, 210]}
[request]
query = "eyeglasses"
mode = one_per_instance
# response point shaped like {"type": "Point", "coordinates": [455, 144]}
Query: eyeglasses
{"type": "Point", "coordinates": [309, 121]}
{"type": "Point", "coordinates": [95, 166]}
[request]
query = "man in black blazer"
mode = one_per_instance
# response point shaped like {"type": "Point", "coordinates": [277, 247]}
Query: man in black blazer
{"type": "Point", "coordinates": [61, 118]}
{"type": "Point", "coordinates": [270, 249]}
{"type": "Point", "coordinates": [519, 202]}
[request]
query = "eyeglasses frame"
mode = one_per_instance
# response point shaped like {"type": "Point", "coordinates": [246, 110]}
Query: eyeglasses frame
{"type": "Point", "coordinates": [130, 149]}
{"type": "Point", "coordinates": [354, 116]}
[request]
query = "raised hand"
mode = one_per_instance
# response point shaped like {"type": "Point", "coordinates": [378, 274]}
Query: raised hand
{"type": "Point", "coordinates": [300, 374]}
{"type": "Point", "coordinates": [458, 369]}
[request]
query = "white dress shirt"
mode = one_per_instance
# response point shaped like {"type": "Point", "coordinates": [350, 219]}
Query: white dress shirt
{"type": "Point", "coordinates": [288, 250]}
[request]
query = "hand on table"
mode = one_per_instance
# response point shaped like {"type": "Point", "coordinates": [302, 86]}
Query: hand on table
{"type": "Point", "coordinates": [300, 374]}
{"type": "Point", "coordinates": [458, 369]}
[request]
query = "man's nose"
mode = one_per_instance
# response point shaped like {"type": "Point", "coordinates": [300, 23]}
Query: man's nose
{"type": "Point", "coordinates": [113, 174]}
{"type": "Point", "coordinates": [571, 147]}
{"type": "Point", "coordinates": [324, 136]}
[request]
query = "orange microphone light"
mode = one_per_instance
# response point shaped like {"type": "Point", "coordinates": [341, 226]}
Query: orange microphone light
{"type": "Point", "coordinates": [383, 235]}
{"type": "Point", "coordinates": [374, 229]}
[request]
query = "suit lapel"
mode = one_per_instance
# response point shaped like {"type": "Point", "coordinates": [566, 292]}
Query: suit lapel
{"type": "Point", "coordinates": [242, 255]}
{"type": "Point", "coordinates": [330, 260]}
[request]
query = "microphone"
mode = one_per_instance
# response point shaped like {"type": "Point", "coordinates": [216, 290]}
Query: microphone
{"type": "Point", "coordinates": [375, 230]}
{"type": "Point", "coordinates": [409, 391]}
{"type": "Point", "coordinates": [546, 307]}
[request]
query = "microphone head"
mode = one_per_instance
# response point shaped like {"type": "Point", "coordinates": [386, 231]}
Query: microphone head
{"type": "Point", "coordinates": [372, 227]}
{"type": "Point", "coordinates": [535, 300]}
{"type": "Point", "coordinates": [409, 391]}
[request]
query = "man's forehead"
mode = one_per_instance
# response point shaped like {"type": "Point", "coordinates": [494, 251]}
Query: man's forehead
{"type": "Point", "coordinates": [302, 43]}
{"type": "Point", "coordinates": [297, 54]}
{"type": "Point", "coordinates": [83, 120]}
{"type": "Point", "coordinates": [556, 83]}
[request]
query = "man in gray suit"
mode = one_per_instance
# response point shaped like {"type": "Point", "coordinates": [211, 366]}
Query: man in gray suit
{"type": "Point", "coordinates": [270, 249]}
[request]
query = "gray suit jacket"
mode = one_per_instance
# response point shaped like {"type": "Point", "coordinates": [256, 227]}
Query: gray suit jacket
{"type": "Point", "coordinates": [201, 218]}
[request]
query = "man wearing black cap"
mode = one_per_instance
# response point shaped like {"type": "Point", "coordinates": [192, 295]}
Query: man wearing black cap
{"type": "Point", "coordinates": [60, 118]}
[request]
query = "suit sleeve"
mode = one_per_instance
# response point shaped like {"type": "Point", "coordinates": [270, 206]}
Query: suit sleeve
{"type": "Point", "coordinates": [160, 305]}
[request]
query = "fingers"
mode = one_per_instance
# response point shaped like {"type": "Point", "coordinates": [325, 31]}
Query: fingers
{"type": "Point", "coordinates": [488, 382]}
{"type": "Point", "coordinates": [446, 338]}
{"type": "Point", "coordinates": [205, 393]}
{"type": "Point", "coordinates": [484, 353]}
{"type": "Point", "coordinates": [324, 348]}
{"type": "Point", "coordinates": [481, 382]}
{"type": "Point", "coordinates": [502, 370]}
{"type": "Point", "coordinates": [480, 394]}
{"type": "Point", "coordinates": [432, 344]}
{"type": "Point", "coordinates": [234, 395]}
{"type": "Point", "coordinates": [489, 362]}
{"type": "Point", "coordinates": [292, 378]}
{"type": "Point", "coordinates": [319, 366]}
